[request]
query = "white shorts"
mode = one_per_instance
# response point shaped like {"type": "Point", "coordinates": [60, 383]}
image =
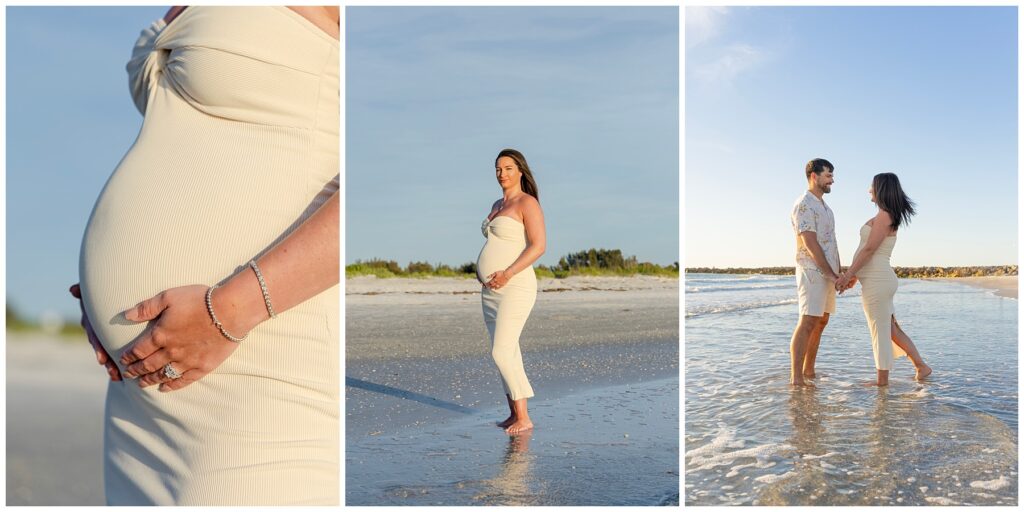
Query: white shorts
{"type": "Point", "coordinates": [816, 294]}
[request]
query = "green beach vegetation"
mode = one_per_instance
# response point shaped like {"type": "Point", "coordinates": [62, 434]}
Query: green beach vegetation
{"type": "Point", "coordinates": [906, 272]}
{"type": "Point", "coordinates": [591, 262]}
{"type": "Point", "coordinates": [18, 323]}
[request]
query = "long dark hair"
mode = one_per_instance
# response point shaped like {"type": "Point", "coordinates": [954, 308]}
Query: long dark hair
{"type": "Point", "coordinates": [526, 182]}
{"type": "Point", "coordinates": [890, 197]}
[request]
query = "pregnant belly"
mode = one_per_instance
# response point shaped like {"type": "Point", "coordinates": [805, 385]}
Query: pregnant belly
{"type": "Point", "coordinates": [171, 218]}
{"type": "Point", "coordinates": [878, 285]}
{"type": "Point", "coordinates": [497, 255]}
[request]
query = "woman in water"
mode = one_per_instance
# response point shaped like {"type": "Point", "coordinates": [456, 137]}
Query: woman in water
{"type": "Point", "coordinates": [515, 239]}
{"type": "Point", "coordinates": [878, 280]}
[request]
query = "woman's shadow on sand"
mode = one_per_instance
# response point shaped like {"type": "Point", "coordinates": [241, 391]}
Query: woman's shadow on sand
{"type": "Point", "coordinates": [407, 395]}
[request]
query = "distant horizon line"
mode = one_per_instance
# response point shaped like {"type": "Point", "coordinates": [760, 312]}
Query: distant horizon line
{"type": "Point", "coordinates": [363, 260]}
{"type": "Point", "coordinates": [755, 267]}
{"type": "Point", "coordinates": [905, 272]}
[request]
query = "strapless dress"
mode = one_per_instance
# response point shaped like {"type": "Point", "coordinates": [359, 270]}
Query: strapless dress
{"type": "Point", "coordinates": [507, 308]}
{"type": "Point", "coordinates": [878, 287]}
{"type": "Point", "coordinates": [238, 146]}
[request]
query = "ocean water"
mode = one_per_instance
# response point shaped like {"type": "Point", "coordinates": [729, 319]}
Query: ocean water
{"type": "Point", "coordinates": [616, 445]}
{"type": "Point", "coordinates": [752, 439]}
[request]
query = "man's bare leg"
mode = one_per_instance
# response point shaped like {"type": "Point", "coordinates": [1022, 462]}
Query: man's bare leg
{"type": "Point", "coordinates": [812, 347]}
{"type": "Point", "coordinates": [798, 348]}
{"type": "Point", "coordinates": [901, 339]}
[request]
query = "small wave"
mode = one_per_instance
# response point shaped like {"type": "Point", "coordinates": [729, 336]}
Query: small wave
{"type": "Point", "coordinates": [735, 470]}
{"type": "Point", "coordinates": [995, 293]}
{"type": "Point", "coordinates": [732, 308]}
{"type": "Point", "coordinates": [770, 479]}
{"type": "Point", "coordinates": [812, 457]}
{"type": "Point", "coordinates": [939, 500]}
{"type": "Point", "coordinates": [765, 286]}
{"type": "Point", "coordinates": [761, 453]}
{"type": "Point", "coordinates": [734, 278]}
{"type": "Point", "coordinates": [725, 438]}
{"type": "Point", "coordinates": [991, 485]}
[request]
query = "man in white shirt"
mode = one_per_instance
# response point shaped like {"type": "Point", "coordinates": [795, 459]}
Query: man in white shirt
{"type": "Point", "coordinates": [817, 268]}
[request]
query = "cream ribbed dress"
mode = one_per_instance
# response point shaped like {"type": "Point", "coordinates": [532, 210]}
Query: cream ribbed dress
{"type": "Point", "coordinates": [507, 308]}
{"type": "Point", "coordinates": [238, 146]}
{"type": "Point", "coordinates": [878, 284]}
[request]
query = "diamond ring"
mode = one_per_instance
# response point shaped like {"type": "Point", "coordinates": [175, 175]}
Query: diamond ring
{"type": "Point", "coordinates": [170, 372]}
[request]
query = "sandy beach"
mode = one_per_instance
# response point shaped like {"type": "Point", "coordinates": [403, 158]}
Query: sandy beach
{"type": "Point", "coordinates": [55, 394]}
{"type": "Point", "coordinates": [422, 395]}
{"type": "Point", "coordinates": [1004, 286]}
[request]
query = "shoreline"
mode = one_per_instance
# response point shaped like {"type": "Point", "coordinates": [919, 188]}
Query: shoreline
{"type": "Point", "coordinates": [1003, 286]}
{"type": "Point", "coordinates": [402, 334]}
{"type": "Point", "coordinates": [422, 395]}
{"type": "Point", "coordinates": [901, 271]}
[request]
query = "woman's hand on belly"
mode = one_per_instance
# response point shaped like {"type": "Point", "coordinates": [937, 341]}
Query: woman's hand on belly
{"type": "Point", "coordinates": [302, 265]}
{"type": "Point", "coordinates": [181, 334]}
{"type": "Point", "coordinates": [498, 279]}
{"type": "Point", "coordinates": [102, 357]}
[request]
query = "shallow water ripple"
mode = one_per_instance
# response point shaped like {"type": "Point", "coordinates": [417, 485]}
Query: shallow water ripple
{"type": "Point", "coordinates": [751, 439]}
{"type": "Point", "coordinates": [606, 446]}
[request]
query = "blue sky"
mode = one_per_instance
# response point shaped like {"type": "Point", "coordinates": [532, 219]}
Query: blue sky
{"type": "Point", "coordinates": [929, 93]}
{"type": "Point", "coordinates": [70, 119]}
{"type": "Point", "coordinates": [589, 95]}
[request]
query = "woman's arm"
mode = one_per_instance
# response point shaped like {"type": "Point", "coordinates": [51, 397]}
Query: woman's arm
{"type": "Point", "coordinates": [173, 12]}
{"type": "Point", "coordinates": [301, 266]}
{"type": "Point", "coordinates": [328, 18]}
{"type": "Point", "coordinates": [880, 228]}
{"type": "Point", "coordinates": [536, 237]}
{"type": "Point", "coordinates": [536, 244]}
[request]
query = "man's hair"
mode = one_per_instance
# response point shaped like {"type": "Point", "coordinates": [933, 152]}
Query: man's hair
{"type": "Point", "coordinates": [818, 166]}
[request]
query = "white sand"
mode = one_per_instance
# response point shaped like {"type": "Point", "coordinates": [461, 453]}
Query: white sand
{"type": "Point", "coordinates": [55, 395]}
{"type": "Point", "coordinates": [371, 285]}
{"type": "Point", "coordinates": [402, 317]}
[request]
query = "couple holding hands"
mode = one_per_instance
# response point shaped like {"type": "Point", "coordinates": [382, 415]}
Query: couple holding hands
{"type": "Point", "coordinates": [819, 277]}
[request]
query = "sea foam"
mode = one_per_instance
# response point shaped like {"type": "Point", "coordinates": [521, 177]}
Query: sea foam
{"type": "Point", "coordinates": [991, 485]}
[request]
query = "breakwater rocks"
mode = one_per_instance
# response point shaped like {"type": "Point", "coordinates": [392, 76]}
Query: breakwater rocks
{"type": "Point", "coordinates": [915, 272]}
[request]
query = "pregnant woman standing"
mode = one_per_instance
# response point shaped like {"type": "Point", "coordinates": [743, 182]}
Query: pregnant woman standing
{"type": "Point", "coordinates": [878, 280]}
{"type": "Point", "coordinates": [515, 239]}
{"type": "Point", "coordinates": [209, 266]}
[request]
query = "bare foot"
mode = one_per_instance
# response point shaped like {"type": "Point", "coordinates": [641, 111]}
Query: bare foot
{"type": "Point", "coordinates": [801, 383]}
{"type": "Point", "coordinates": [508, 421]}
{"type": "Point", "coordinates": [923, 372]}
{"type": "Point", "coordinates": [519, 426]}
{"type": "Point", "coordinates": [810, 375]}
{"type": "Point", "coordinates": [875, 384]}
